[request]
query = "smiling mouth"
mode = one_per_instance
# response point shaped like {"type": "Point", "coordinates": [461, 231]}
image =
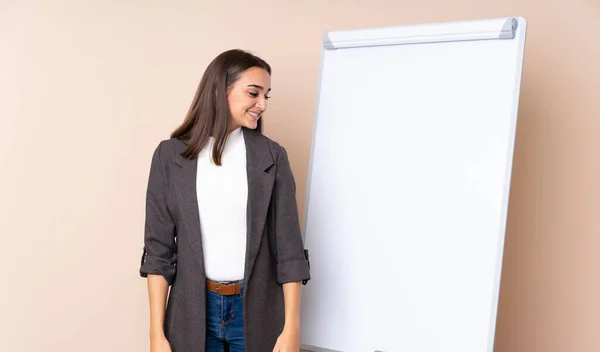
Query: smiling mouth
{"type": "Point", "coordinates": [256, 115]}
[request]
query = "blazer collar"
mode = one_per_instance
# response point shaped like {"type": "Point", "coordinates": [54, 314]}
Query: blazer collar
{"type": "Point", "coordinates": [258, 153]}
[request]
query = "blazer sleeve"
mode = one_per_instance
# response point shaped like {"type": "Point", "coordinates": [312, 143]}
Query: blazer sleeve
{"type": "Point", "coordinates": [160, 250]}
{"type": "Point", "coordinates": [292, 258]}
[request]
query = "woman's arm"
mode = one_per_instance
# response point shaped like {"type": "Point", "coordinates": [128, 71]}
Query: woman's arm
{"type": "Point", "coordinates": [292, 263]}
{"type": "Point", "coordinates": [160, 249]}
{"type": "Point", "coordinates": [292, 292]}
{"type": "Point", "coordinates": [289, 340]}
{"type": "Point", "coordinates": [158, 289]}
{"type": "Point", "coordinates": [159, 253]}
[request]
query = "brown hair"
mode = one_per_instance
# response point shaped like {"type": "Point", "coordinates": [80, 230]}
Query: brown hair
{"type": "Point", "coordinates": [209, 113]}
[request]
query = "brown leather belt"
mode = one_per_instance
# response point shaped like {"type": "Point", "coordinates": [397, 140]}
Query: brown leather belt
{"type": "Point", "coordinates": [224, 288]}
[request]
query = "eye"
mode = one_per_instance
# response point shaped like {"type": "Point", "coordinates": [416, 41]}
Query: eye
{"type": "Point", "coordinates": [255, 95]}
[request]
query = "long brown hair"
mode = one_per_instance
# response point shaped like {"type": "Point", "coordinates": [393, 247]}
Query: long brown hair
{"type": "Point", "coordinates": [209, 113]}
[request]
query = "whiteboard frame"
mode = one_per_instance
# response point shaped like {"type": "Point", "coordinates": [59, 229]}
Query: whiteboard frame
{"type": "Point", "coordinates": [490, 29]}
{"type": "Point", "coordinates": [501, 28]}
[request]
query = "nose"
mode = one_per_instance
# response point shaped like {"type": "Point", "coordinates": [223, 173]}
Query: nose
{"type": "Point", "coordinates": [262, 103]}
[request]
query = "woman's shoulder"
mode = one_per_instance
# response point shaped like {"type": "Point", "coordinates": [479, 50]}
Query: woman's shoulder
{"type": "Point", "coordinates": [173, 144]}
{"type": "Point", "coordinates": [273, 145]}
{"type": "Point", "coordinates": [169, 149]}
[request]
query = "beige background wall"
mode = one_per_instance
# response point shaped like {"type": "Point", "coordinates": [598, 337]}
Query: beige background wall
{"type": "Point", "coordinates": [87, 89]}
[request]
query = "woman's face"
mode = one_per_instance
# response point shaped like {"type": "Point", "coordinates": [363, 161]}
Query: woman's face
{"type": "Point", "coordinates": [247, 98]}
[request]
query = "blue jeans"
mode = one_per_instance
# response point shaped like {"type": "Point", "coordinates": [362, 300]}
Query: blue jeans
{"type": "Point", "coordinates": [224, 323]}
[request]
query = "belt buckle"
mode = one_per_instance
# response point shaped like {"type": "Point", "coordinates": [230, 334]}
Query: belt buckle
{"type": "Point", "coordinates": [219, 285]}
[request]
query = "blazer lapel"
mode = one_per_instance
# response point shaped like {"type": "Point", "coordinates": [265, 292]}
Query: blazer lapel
{"type": "Point", "coordinates": [260, 184]}
{"type": "Point", "coordinates": [185, 186]}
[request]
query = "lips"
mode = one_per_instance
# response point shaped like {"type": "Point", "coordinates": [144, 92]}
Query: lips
{"type": "Point", "coordinates": [254, 114]}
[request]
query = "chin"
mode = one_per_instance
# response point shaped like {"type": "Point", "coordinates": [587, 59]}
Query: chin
{"type": "Point", "coordinates": [251, 124]}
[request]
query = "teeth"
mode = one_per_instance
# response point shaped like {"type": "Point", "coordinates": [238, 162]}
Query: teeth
{"type": "Point", "coordinates": [253, 114]}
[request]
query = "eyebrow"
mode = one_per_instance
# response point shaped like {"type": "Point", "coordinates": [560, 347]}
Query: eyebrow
{"type": "Point", "coordinates": [259, 87]}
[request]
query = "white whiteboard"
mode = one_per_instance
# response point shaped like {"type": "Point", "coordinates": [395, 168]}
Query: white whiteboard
{"type": "Point", "coordinates": [409, 184]}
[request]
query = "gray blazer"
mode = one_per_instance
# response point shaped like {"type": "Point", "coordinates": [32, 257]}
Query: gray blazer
{"type": "Point", "coordinates": [173, 244]}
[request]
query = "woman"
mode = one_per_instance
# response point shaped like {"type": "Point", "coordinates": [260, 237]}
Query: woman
{"type": "Point", "coordinates": [222, 227]}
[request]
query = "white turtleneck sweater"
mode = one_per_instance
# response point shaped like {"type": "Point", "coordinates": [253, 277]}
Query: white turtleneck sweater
{"type": "Point", "coordinates": [222, 200]}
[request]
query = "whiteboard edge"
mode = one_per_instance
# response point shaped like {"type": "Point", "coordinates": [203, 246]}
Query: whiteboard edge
{"type": "Point", "coordinates": [521, 37]}
{"type": "Point", "coordinates": [310, 167]}
{"type": "Point", "coordinates": [312, 143]}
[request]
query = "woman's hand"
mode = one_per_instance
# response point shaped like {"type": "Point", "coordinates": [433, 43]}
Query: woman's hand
{"type": "Point", "coordinates": [160, 344]}
{"type": "Point", "coordinates": [288, 341]}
